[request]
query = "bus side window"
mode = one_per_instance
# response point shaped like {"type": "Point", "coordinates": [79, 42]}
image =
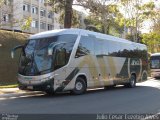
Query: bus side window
{"type": "Point", "coordinates": [60, 58]}
{"type": "Point", "coordinates": [99, 47]}
{"type": "Point", "coordinates": [62, 54]}
{"type": "Point", "coordinates": [85, 47]}
{"type": "Point", "coordinates": [105, 47]}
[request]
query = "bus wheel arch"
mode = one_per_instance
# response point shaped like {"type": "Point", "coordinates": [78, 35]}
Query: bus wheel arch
{"type": "Point", "coordinates": [144, 75]}
{"type": "Point", "coordinates": [80, 86]}
{"type": "Point", "coordinates": [84, 78]}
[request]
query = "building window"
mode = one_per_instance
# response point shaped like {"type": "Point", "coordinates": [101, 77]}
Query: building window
{"type": "Point", "coordinates": [43, 13]}
{"type": "Point", "coordinates": [5, 18]}
{"type": "Point", "coordinates": [34, 24]}
{"type": "Point", "coordinates": [34, 10]}
{"type": "Point", "coordinates": [26, 7]}
{"type": "Point", "coordinates": [50, 14]}
{"type": "Point", "coordinates": [50, 27]}
{"type": "Point", "coordinates": [43, 25]}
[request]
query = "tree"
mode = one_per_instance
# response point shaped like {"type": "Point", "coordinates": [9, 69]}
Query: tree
{"type": "Point", "coordinates": [156, 22]}
{"type": "Point", "coordinates": [152, 40]}
{"type": "Point", "coordinates": [102, 11]}
{"type": "Point", "coordinates": [66, 7]}
{"type": "Point", "coordinates": [99, 8]}
{"type": "Point", "coordinates": [114, 27]}
{"type": "Point", "coordinates": [136, 13]}
{"type": "Point", "coordinates": [68, 14]}
{"type": "Point", "coordinates": [75, 18]}
{"type": "Point", "coordinates": [26, 23]}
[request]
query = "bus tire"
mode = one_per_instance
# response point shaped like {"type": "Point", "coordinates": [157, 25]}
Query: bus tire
{"type": "Point", "coordinates": [50, 91]}
{"type": "Point", "coordinates": [80, 86]}
{"type": "Point", "coordinates": [132, 82]}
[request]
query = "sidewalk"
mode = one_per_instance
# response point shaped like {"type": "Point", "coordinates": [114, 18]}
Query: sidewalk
{"type": "Point", "coordinates": [9, 90]}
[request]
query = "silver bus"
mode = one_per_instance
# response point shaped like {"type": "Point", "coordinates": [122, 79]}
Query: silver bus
{"type": "Point", "coordinates": [155, 65]}
{"type": "Point", "coordinates": [75, 60]}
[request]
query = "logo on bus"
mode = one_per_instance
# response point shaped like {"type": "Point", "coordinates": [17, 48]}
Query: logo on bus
{"type": "Point", "coordinates": [135, 62]}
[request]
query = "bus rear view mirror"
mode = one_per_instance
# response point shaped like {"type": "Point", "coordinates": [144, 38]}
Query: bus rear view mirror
{"type": "Point", "coordinates": [50, 51]}
{"type": "Point", "coordinates": [51, 47]}
{"type": "Point", "coordinates": [14, 49]}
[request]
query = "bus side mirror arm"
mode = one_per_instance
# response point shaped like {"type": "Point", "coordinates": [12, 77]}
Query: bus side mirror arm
{"type": "Point", "coordinates": [14, 49]}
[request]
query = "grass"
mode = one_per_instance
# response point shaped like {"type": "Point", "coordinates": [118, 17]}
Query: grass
{"type": "Point", "coordinates": [9, 86]}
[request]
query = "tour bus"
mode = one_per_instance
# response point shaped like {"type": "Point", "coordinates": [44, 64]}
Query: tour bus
{"type": "Point", "coordinates": [76, 60]}
{"type": "Point", "coordinates": [155, 65]}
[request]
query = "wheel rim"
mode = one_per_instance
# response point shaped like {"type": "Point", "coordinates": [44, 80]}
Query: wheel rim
{"type": "Point", "coordinates": [79, 86]}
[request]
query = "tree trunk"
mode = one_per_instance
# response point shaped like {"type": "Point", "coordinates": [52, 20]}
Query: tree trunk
{"type": "Point", "coordinates": [68, 14]}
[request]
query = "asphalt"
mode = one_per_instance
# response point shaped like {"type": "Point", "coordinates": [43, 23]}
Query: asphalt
{"type": "Point", "coordinates": [142, 99]}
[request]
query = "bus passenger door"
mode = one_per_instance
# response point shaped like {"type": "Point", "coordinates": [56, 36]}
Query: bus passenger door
{"type": "Point", "coordinates": [59, 62]}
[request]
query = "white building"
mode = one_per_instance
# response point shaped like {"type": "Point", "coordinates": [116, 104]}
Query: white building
{"type": "Point", "coordinates": [14, 12]}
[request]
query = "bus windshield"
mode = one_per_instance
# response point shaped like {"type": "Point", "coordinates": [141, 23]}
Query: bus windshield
{"type": "Point", "coordinates": [36, 61]}
{"type": "Point", "coordinates": [155, 63]}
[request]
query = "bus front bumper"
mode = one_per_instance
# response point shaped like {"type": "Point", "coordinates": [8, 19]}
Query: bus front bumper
{"type": "Point", "coordinates": [37, 87]}
{"type": "Point", "coordinates": [36, 83]}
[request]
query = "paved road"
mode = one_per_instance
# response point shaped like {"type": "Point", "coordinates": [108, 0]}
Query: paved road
{"type": "Point", "coordinates": [145, 98]}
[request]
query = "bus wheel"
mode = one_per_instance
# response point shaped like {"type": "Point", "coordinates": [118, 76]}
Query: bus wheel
{"type": "Point", "coordinates": [132, 82]}
{"type": "Point", "coordinates": [50, 89]}
{"type": "Point", "coordinates": [80, 86]}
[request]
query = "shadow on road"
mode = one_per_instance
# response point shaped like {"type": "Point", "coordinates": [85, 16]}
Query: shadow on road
{"type": "Point", "coordinates": [144, 98]}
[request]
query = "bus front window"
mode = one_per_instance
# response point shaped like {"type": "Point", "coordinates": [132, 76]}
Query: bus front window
{"type": "Point", "coordinates": [36, 60]}
{"type": "Point", "coordinates": [155, 64]}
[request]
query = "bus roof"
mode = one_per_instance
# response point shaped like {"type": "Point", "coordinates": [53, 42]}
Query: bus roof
{"type": "Point", "coordinates": [83, 32]}
{"type": "Point", "coordinates": [54, 32]}
{"type": "Point", "coordinates": [155, 54]}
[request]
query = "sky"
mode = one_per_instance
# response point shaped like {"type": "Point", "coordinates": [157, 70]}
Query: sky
{"type": "Point", "coordinates": [146, 25]}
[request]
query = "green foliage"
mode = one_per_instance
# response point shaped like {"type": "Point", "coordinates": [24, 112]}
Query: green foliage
{"type": "Point", "coordinates": [75, 19]}
{"type": "Point", "coordinates": [27, 23]}
{"type": "Point", "coordinates": [1, 2]}
{"type": "Point", "coordinates": [93, 20]}
{"type": "Point", "coordinates": [156, 27]}
{"type": "Point", "coordinates": [156, 23]}
{"type": "Point", "coordinates": [152, 40]}
{"type": "Point", "coordinates": [113, 26]}
{"type": "Point", "coordinates": [57, 5]}
{"type": "Point", "coordinates": [136, 13]}
{"type": "Point", "coordinates": [64, 6]}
